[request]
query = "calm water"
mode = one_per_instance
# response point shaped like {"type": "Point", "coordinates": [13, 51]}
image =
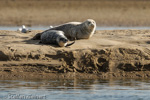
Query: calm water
{"type": "Point", "coordinates": [47, 27]}
{"type": "Point", "coordinates": [75, 89]}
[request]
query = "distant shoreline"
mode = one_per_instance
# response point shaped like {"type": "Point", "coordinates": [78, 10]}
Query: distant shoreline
{"type": "Point", "coordinates": [51, 12]}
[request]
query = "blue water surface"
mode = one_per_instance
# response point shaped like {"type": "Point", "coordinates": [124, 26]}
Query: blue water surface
{"type": "Point", "coordinates": [76, 89]}
{"type": "Point", "coordinates": [14, 28]}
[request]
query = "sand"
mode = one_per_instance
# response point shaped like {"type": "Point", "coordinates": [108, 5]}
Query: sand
{"type": "Point", "coordinates": [108, 54]}
{"type": "Point", "coordinates": [54, 12]}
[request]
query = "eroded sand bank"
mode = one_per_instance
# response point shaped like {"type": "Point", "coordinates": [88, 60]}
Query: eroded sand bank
{"type": "Point", "coordinates": [115, 54]}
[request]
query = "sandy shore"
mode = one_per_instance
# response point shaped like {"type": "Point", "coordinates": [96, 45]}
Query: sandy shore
{"type": "Point", "coordinates": [54, 12]}
{"type": "Point", "coordinates": [114, 53]}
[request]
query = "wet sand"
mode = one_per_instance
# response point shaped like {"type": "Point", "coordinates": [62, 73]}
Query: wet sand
{"type": "Point", "coordinates": [108, 54]}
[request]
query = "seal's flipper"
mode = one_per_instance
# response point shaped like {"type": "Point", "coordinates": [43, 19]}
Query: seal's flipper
{"type": "Point", "coordinates": [70, 44]}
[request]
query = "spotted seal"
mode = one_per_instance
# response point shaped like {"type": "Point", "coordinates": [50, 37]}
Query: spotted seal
{"type": "Point", "coordinates": [55, 37]}
{"type": "Point", "coordinates": [74, 30]}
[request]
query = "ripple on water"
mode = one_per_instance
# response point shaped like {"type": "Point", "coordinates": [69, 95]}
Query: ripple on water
{"type": "Point", "coordinates": [78, 89]}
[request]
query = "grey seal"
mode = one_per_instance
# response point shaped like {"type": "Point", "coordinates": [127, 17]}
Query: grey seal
{"type": "Point", "coordinates": [55, 37]}
{"type": "Point", "coordinates": [74, 30]}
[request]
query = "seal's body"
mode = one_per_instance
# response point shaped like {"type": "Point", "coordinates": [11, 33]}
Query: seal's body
{"type": "Point", "coordinates": [75, 30]}
{"type": "Point", "coordinates": [54, 37]}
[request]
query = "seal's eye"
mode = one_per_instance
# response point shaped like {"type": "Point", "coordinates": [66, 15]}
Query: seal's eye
{"type": "Point", "coordinates": [65, 40]}
{"type": "Point", "coordinates": [61, 39]}
{"type": "Point", "coordinates": [89, 23]}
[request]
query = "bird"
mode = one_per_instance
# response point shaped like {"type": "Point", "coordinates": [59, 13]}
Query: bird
{"type": "Point", "coordinates": [23, 29]}
{"type": "Point", "coordinates": [50, 26]}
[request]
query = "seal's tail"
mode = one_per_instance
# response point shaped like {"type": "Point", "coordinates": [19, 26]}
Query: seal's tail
{"type": "Point", "coordinates": [37, 36]}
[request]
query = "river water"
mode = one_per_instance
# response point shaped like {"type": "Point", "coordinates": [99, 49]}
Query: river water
{"type": "Point", "coordinates": [129, 89]}
{"type": "Point", "coordinates": [14, 28]}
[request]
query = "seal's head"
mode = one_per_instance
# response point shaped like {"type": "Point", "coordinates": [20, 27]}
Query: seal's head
{"type": "Point", "coordinates": [87, 29]}
{"type": "Point", "coordinates": [63, 42]}
{"type": "Point", "coordinates": [90, 24]}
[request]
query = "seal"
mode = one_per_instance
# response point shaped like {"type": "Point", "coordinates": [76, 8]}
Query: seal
{"type": "Point", "coordinates": [55, 37]}
{"type": "Point", "coordinates": [74, 30]}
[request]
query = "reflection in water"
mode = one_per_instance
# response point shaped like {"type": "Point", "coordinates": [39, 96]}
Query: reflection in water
{"type": "Point", "coordinates": [76, 89]}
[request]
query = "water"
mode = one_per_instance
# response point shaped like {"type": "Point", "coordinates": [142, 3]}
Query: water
{"type": "Point", "coordinates": [76, 89]}
{"type": "Point", "coordinates": [14, 28]}
{"type": "Point", "coordinates": [122, 28]}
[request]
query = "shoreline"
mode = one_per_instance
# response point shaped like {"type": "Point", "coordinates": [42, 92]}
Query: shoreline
{"type": "Point", "coordinates": [73, 75]}
{"type": "Point", "coordinates": [32, 28]}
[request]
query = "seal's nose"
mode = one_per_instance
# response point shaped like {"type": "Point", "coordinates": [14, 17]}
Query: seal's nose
{"type": "Point", "coordinates": [92, 25]}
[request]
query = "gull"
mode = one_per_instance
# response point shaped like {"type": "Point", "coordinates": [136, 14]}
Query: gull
{"type": "Point", "coordinates": [50, 26]}
{"type": "Point", "coordinates": [24, 29]}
